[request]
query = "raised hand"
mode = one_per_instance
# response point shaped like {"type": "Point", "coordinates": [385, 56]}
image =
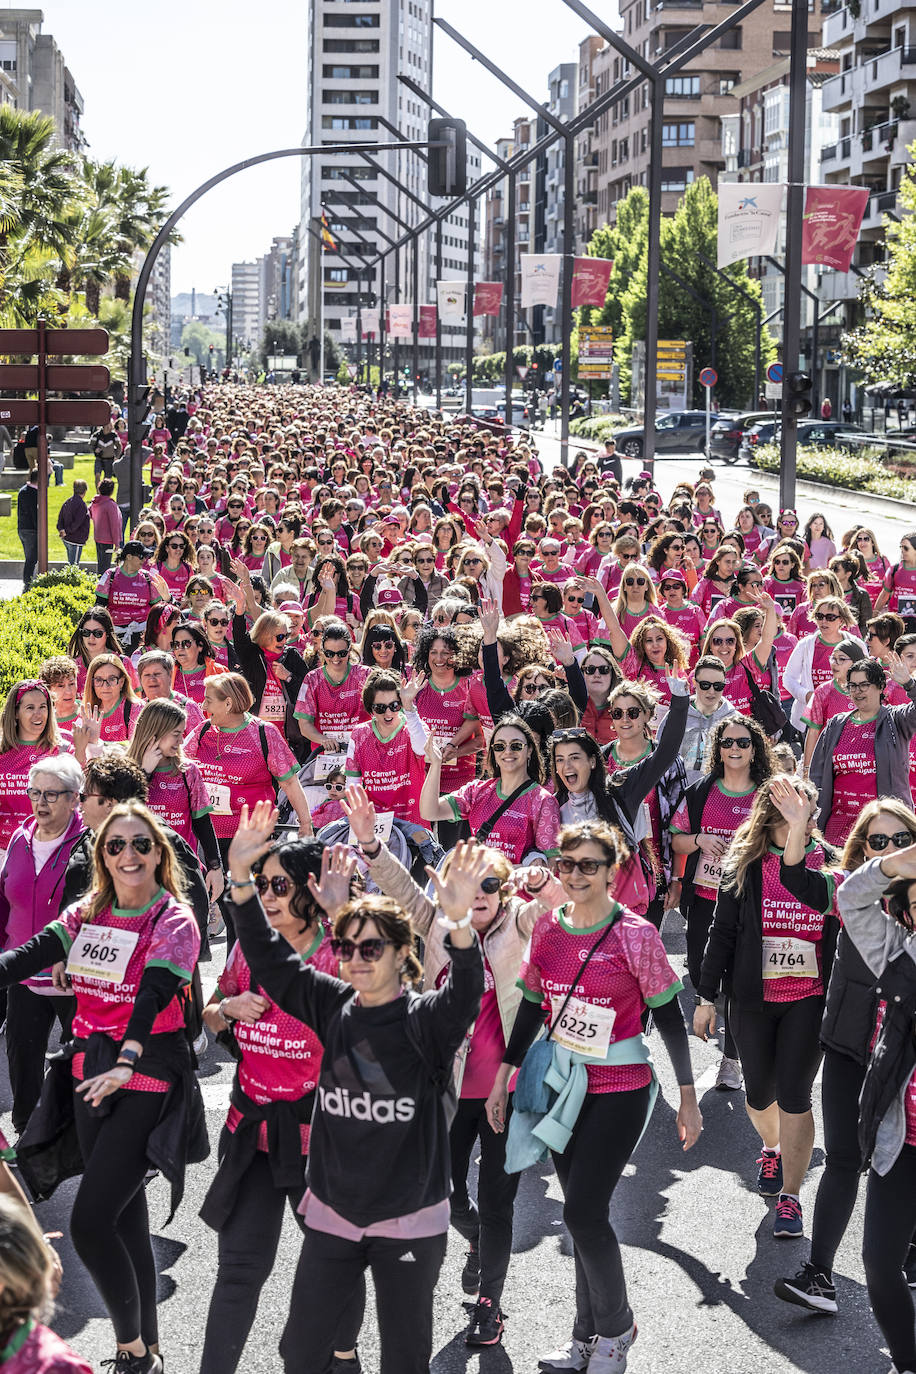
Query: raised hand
{"type": "Point", "coordinates": [360, 812]}
{"type": "Point", "coordinates": [897, 668]}
{"type": "Point", "coordinates": [253, 837]}
{"type": "Point", "coordinates": [432, 753]}
{"type": "Point", "coordinates": [411, 689]}
{"type": "Point", "coordinates": [151, 758]}
{"type": "Point", "coordinates": [332, 889]}
{"type": "Point", "coordinates": [790, 803]}
{"type": "Point", "coordinates": [488, 614]}
{"type": "Point", "coordinates": [560, 646]}
{"type": "Point", "coordinates": [457, 893]}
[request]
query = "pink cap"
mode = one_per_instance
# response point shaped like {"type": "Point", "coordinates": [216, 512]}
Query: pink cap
{"type": "Point", "coordinates": [291, 608]}
{"type": "Point", "coordinates": [389, 597]}
{"type": "Point", "coordinates": [672, 575]}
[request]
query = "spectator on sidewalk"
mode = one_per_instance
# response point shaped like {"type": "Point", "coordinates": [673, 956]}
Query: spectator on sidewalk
{"type": "Point", "coordinates": [106, 524]}
{"type": "Point", "coordinates": [27, 526]}
{"type": "Point", "coordinates": [105, 447]}
{"type": "Point", "coordinates": [74, 523]}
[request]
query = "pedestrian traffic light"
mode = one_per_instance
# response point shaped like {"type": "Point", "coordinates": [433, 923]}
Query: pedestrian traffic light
{"type": "Point", "coordinates": [447, 167]}
{"type": "Point", "coordinates": [798, 392]}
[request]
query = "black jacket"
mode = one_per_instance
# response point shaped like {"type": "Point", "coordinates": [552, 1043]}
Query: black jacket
{"type": "Point", "coordinates": [852, 1002]}
{"type": "Point", "coordinates": [27, 508]}
{"type": "Point", "coordinates": [695, 797]}
{"type": "Point", "coordinates": [379, 1145]}
{"type": "Point", "coordinates": [734, 950]}
{"type": "Point", "coordinates": [253, 667]}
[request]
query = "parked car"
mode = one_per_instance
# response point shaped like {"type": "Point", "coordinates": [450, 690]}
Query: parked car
{"type": "Point", "coordinates": [728, 431]}
{"type": "Point", "coordinates": [811, 434]}
{"type": "Point", "coordinates": [679, 429]}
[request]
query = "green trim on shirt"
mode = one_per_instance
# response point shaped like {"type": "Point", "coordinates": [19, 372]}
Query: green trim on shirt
{"type": "Point", "coordinates": [527, 993]}
{"type": "Point", "coordinates": [62, 934]}
{"type": "Point", "coordinates": [140, 910]}
{"type": "Point", "coordinates": [18, 1341]}
{"type": "Point", "coordinates": [453, 807]}
{"type": "Point", "coordinates": [182, 973]}
{"type": "Point", "coordinates": [661, 999]}
{"type": "Point", "coordinates": [587, 930]}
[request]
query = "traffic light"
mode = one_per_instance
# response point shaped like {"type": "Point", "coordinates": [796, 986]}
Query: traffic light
{"type": "Point", "coordinates": [798, 392]}
{"type": "Point", "coordinates": [447, 168]}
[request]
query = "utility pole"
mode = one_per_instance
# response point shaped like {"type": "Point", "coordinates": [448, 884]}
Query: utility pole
{"type": "Point", "coordinates": [795, 204]}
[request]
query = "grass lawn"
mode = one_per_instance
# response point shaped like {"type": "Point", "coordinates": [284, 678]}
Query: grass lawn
{"type": "Point", "coordinates": [10, 546]}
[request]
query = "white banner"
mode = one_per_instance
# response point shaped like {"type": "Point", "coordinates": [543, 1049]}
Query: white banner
{"type": "Point", "coordinates": [400, 321]}
{"type": "Point", "coordinates": [540, 279]}
{"type": "Point", "coordinates": [450, 296]}
{"type": "Point", "coordinates": [370, 322]}
{"type": "Point", "coordinates": [748, 219]}
{"type": "Point", "coordinates": [348, 329]}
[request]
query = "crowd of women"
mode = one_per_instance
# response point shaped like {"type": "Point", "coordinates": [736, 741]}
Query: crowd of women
{"type": "Point", "coordinates": [434, 741]}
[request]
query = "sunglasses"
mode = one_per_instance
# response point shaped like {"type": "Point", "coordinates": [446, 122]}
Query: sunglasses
{"type": "Point", "coordinates": [336, 653]}
{"type": "Point", "coordinates": [587, 866]}
{"type": "Point", "coordinates": [634, 581]}
{"type": "Point", "coordinates": [382, 641]}
{"type": "Point", "coordinates": [565, 736]}
{"type": "Point", "coordinates": [140, 844]}
{"type": "Point", "coordinates": [279, 885]}
{"type": "Point", "coordinates": [826, 615]}
{"type": "Point", "coordinates": [333, 787]}
{"type": "Point", "coordinates": [782, 562]}
{"type": "Point", "coordinates": [534, 689]}
{"type": "Point", "coordinates": [575, 600]}
{"type": "Point", "coordinates": [391, 706]}
{"type": "Point", "coordinates": [514, 746]}
{"type": "Point", "coordinates": [218, 622]}
{"type": "Point", "coordinates": [631, 712]}
{"type": "Point", "coordinates": [706, 686]}
{"type": "Point", "coordinates": [595, 670]}
{"type": "Point", "coordinates": [721, 643]}
{"type": "Point", "coordinates": [901, 839]}
{"type": "Point", "coordinates": [92, 634]}
{"type": "Point", "coordinates": [738, 742]}
{"type": "Point", "coordinates": [370, 950]}
{"type": "Point", "coordinates": [182, 644]}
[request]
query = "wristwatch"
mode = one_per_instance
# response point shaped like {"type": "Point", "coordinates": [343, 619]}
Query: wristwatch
{"type": "Point", "coordinates": [704, 1001]}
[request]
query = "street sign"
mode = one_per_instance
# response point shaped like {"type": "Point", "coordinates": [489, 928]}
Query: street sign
{"type": "Point", "coordinates": [522, 371]}
{"type": "Point", "coordinates": [558, 365]}
{"type": "Point", "coordinates": [708, 377]}
{"type": "Point", "coordinates": [774, 373]}
{"type": "Point", "coordinates": [596, 353]}
{"type": "Point", "coordinates": [60, 377]}
{"type": "Point", "coordinates": [58, 342]}
{"type": "Point", "coordinates": [58, 412]}
{"type": "Point", "coordinates": [773, 391]}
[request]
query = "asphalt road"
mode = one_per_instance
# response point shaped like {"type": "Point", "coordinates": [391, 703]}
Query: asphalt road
{"type": "Point", "coordinates": [698, 1250]}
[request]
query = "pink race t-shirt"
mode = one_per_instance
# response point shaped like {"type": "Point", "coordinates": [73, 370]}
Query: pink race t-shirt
{"type": "Point", "coordinates": [36, 1349]}
{"type": "Point", "coordinates": [178, 796]}
{"type": "Point", "coordinates": [234, 768]}
{"type": "Point", "coordinates": [389, 770]}
{"type": "Point", "coordinates": [901, 583]}
{"type": "Point", "coordinates": [785, 916]}
{"type": "Point", "coordinates": [443, 713]}
{"type": "Point", "coordinates": [854, 780]}
{"type": "Point", "coordinates": [723, 812]}
{"type": "Point", "coordinates": [531, 822]}
{"type": "Point", "coordinates": [333, 708]}
{"type": "Point", "coordinates": [821, 670]}
{"type": "Point", "coordinates": [628, 973]}
{"type": "Point", "coordinates": [118, 723]}
{"type": "Point", "coordinates": [828, 700]}
{"type": "Point", "coordinates": [15, 806]}
{"type": "Point", "coordinates": [690, 621]}
{"type": "Point", "coordinates": [128, 597]}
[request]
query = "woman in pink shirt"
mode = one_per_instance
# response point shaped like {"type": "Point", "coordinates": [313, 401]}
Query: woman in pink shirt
{"type": "Point", "coordinates": [107, 524]}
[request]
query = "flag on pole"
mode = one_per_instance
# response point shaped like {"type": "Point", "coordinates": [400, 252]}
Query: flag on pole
{"type": "Point", "coordinates": [328, 241]}
{"type": "Point", "coordinates": [370, 323]}
{"type": "Point", "coordinates": [488, 297]}
{"type": "Point", "coordinates": [748, 219]}
{"type": "Point", "coordinates": [831, 224]}
{"type": "Point", "coordinates": [540, 279]}
{"type": "Point", "coordinates": [590, 281]}
{"type": "Point", "coordinates": [426, 328]}
{"type": "Point", "coordinates": [400, 319]}
{"type": "Point", "coordinates": [451, 296]}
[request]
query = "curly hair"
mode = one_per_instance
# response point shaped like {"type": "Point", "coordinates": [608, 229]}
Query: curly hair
{"type": "Point", "coordinates": [677, 651]}
{"type": "Point", "coordinates": [424, 642]}
{"type": "Point", "coordinates": [763, 764]}
{"type": "Point", "coordinates": [659, 550]}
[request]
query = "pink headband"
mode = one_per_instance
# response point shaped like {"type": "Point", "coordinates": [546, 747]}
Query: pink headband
{"type": "Point", "coordinates": [32, 684]}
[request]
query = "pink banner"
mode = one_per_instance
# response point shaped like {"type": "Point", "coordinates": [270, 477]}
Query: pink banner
{"type": "Point", "coordinates": [590, 280]}
{"type": "Point", "coordinates": [427, 323]}
{"type": "Point", "coordinates": [833, 217]}
{"type": "Point", "coordinates": [488, 297]}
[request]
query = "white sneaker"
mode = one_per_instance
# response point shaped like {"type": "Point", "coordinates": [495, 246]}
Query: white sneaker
{"type": "Point", "coordinates": [609, 1355]}
{"type": "Point", "coordinates": [728, 1079]}
{"type": "Point", "coordinates": [215, 925]}
{"type": "Point", "coordinates": [573, 1356]}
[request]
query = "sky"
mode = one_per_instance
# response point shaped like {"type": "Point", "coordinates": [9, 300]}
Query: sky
{"type": "Point", "coordinates": [188, 87]}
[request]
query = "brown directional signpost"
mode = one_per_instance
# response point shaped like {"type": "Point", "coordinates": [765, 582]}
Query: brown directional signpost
{"type": "Point", "coordinates": [41, 377]}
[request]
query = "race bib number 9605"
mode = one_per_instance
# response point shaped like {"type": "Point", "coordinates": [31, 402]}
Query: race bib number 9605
{"type": "Point", "coordinates": [101, 952]}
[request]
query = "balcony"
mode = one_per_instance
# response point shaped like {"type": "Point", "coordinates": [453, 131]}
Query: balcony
{"type": "Point", "coordinates": [889, 68]}
{"type": "Point", "coordinates": [745, 157]}
{"type": "Point", "coordinates": [875, 140]}
{"type": "Point", "coordinates": [837, 26]}
{"type": "Point", "coordinates": [828, 154]}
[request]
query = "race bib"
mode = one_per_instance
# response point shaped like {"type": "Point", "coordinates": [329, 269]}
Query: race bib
{"type": "Point", "coordinates": [102, 952]}
{"type": "Point", "coordinates": [583, 1027]}
{"type": "Point", "coordinates": [383, 822]}
{"type": "Point", "coordinates": [709, 873]}
{"type": "Point", "coordinates": [785, 601]}
{"type": "Point", "coordinates": [272, 708]}
{"type": "Point", "coordinates": [326, 763]}
{"type": "Point", "coordinates": [784, 956]}
{"type": "Point", "coordinates": [906, 603]}
{"type": "Point", "coordinates": [219, 798]}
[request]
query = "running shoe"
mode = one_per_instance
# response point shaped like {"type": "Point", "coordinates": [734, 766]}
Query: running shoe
{"type": "Point", "coordinates": [788, 1220]}
{"type": "Point", "coordinates": [769, 1177]}
{"type": "Point", "coordinates": [610, 1353]}
{"type": "Point", "coordinates": [470, 1274]}
{"type": "Point", "coordinates": [215, 925]}
{"type": "Point", "coordinates": [126, 1363]}
{"type": "Point", "coordinates": [339, 1366]}
{"type": "Point", "coordinates": [909, 1267]}
{"type": "Point", "coordinates": [810, 1288]}
{"type": "Point", "coordinates": [573, 1356]}
{"type": "Point", "coordinates": [487, 1324]}
{"type": "Point", "coordinates": [728, 1079]}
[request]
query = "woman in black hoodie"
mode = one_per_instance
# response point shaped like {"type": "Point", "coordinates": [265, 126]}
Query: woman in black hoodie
{"type": "Point", "coordinates": [379, 1174]}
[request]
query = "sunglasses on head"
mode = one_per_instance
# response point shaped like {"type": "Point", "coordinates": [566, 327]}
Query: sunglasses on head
{"type": "Point", "coordinates": [383, 710]}
{"type": "Point", "coordinates": [140, 844]}
{"type": "Point", "coordinates": [704, 685]}
{"type": "Point", "coordinates": [514, 746]}
{"type": "Point", "coordinates": [587, 866]}
{"type": "Point", "coordinates": [566, 736]}
{"type": "Point", "coordinates": [901, 839]}
{"type": "Point", "coordinates": [737, 742]}
{"type": "Point", "coordinates": [370, 950]}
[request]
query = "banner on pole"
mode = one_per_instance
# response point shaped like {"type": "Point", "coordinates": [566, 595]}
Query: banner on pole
{"type": "Point", "coordinates": [348, 329]}
{"type": "Point", "coordinates": [831, 224]}
{"type": "Point", "coordinates": [451, 296]}
{"type": "Point", "coordinates": [488, 297]}
{"type": "Point", "coordinates": [590, 280]}
{"type": "Point", "coordinates": [400, 321]}
{"type": "Point", "coordinates": [748, 219]}
{"type": "Point", "coordinates": [370, 323]}
{"type": "Point", "coordinates": [540, 279]}
{"type": "Point", "coordinates": [427, 326]}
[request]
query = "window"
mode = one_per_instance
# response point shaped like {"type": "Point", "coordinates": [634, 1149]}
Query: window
{"type": "Point", "coordinates": [349, 45]}
{"type": "Point", "coordinates": [351, 73]}
{"type": "Point", "coordinates": [676, 178]}
{"type": "Point", "coordinates": [732, 39]}
{"type": "Point", "coordinates": [564, 90]}
{"type": "Point", "coordinates": [350, 97]}
{"type": "Point", "coordinates": [357, 173]}
{"type": "Point", "coordinates": [726, 81]}
{"type": "Point", "coordinates": [337, 274]}
{"type": "Point", "coordinates": [678, 135]}
{"type": "Point", "coordinates": [8, 55]}
{"type": "Point", "coordinates": [352, 21]}
{"type": "Point", "coordinates": [686, 87]}
{"type": "Point", "coordinates": [345, 122]}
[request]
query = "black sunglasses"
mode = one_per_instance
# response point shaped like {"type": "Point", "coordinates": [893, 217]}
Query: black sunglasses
{"type": "Point", "coordinates": [738, 742]}
{"type": "Point", "coordinates": [279, 885]}
{"type": "Point", "coordinates": [370, 950]}
{"type": "Point", "coordinates": [140, 844]}
{"type": "Point", "coordinates": [514, 746]}
{"type": "Point", "coordinates": [634, 581]}
{"type": "Point", "coordinates": [901, 839]}
{"type": "Point", "coordinates": [92, 634]}
{"type": "Point", "coordinates": [565, 736]}
{"type": "Point", "coordinates": [336, 653]}
{"type": "Point", "coordinates": [706, 686]}
{"type": "Point", "coordinates": [379, 710]}
{"type": "Point", "coordinates": [595, 669]}
{"type": "Point", "coordinates": [631, 712]}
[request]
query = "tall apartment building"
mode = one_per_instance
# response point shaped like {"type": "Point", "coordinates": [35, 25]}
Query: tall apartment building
{"type": "Point", "coordinates": [562, 85]}
{"type": "Point", "coordinates": [586, 148]}
{"type": "Point", "coordinates": [495, 246]}
{"type": "Point", "coordinates": [695, 99]}
{"type": "Point", "coordinates": [246, 302]}
{"type": "Point", "coordinates": [159, 301]}
{"type": "Point", "coordinates": [34, 75]}
{"type": "Point", "coordinates": [277, 280]}
{"type": "Point", "coordinates": [356, 52]}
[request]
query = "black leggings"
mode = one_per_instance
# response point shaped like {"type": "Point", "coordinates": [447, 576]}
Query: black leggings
{"type": "Point", "coordinates": [779, 1044]}
{"type": "Point", "coordinates": [30, 1017]}
{"type": "Point", "coordinates": [330, 1268]}
{"type": "Point", "coordinates": [699, 921]}
{"type": "Point", "coordinates": [839, 1185]}
{"type": "Point", "coordinates": [225, 906]}
{"type": "Point", "coordinates": [890, 1216]}
{"type": "Point", "coordinates": [247, 1250]}
{"type": "Point", "coordinates": [109, 1224]}
{"type": "Point", "coordinates": [602, 1141]}
{"type": "Point", "coordinates": [487, 1225]}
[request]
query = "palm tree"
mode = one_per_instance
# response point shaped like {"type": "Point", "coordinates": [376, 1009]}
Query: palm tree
{"type": "Point", "coordinates": [135, 211]}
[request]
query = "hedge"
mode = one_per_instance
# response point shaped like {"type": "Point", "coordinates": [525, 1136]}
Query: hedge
{"type": "Point", "coordinates": [839, 468]}
{"type": "Point", "coordinates": [598, 426]}
{"type": "Point", "coordinates": [40, 623]}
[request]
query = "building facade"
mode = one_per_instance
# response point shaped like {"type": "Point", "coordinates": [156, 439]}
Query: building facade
{"type": "Point", "coordinates": [246, 304]}
{"type": "Point", "coordinates": [34, 76]}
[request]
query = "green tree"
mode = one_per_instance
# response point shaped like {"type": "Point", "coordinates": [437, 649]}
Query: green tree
{"type": "Point", "coordinates": [198, 338]}
{"type": "Point", "coordinates": [280, 337]}
{"type": "Point", "coordinates": [884, 346]}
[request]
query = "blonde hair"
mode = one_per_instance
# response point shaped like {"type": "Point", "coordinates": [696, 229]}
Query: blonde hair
{"type": "Point", "coordinates": [754, 836]}
{"type": "Point", "coordinates": [498, 862]}
{"type": "Point", "coordinates": [155, 720]}
{"type": "Point", "coordinates": [836, 603]}
{"type": "Point", "coordinates": [168, 872]}
{"type": "Point", "coordinates": [651, 595]}
{"type": "Point", "coordinates": [90, 696]}
{"type": "Point", "coordinates": [854, 851]}
{"type": "Point", "coordinates": [233, 688]}
{"type": "Point", "coordinates": [268, 623]}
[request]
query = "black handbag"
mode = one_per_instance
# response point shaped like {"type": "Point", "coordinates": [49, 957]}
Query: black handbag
{"type": "Point", "coordinates": [766, 708]}
{"type": "Point", "coordinates": [486, 829]}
